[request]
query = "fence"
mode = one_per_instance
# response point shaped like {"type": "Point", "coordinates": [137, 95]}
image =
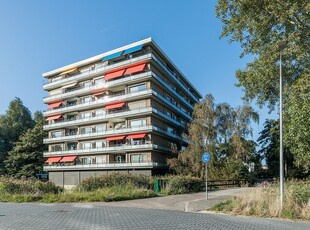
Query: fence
{"type": "Point", "coordinates": [200, 185]}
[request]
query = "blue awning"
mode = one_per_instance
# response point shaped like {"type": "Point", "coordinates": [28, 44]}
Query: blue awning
{"type": "Point", "coordinates": [133, 49]}
{"type": "Point", "coordinates": [112, 56]}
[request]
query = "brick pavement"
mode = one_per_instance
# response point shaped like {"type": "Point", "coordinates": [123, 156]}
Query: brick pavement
{"type": "Point", "coordinates": [92, 217]}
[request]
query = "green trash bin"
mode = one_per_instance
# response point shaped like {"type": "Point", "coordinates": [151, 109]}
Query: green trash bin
{"type": "Point", "coordinates": [156, 181]}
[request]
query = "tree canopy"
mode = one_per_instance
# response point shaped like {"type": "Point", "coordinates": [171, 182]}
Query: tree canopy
{"type": "Point", "coordinates": [259, 26]}
{"type": "Point", "coordinates": [26, 158]}
{"type": "Point", "coordinates": [220, 130]}
{"type": "Point", "coordinates": [16, 120]}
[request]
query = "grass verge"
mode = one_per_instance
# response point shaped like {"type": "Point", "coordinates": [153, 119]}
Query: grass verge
{"type": "Point", "coordinates": [264, 202]}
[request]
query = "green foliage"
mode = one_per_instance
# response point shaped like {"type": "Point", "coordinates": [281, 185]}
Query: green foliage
{"type": "Point", "coordinates": [219, 130]}
{"type": "Point", "coordinates": [259, 25]}
{"type": "Point", "coordinates": [264, 201]}
{"type": "Point", "coordinates": [115, 179]}
{"type": "Point", "coordinates": [26, 158]}
{"type": "Point", "coordinates": [16, 120]}
{"type": "Point", "coordinates": [181, 184]}
{"type": "Point", "coordinates": [12, 186]}
{"type": "Point", "coordinates": [297, 118]}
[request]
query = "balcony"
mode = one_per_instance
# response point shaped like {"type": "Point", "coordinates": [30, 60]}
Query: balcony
{"type": "Point", "coordinates": [84, 90]}
{"type": "Point", "coordinates": [94, 72]}
{"type": "Point", "coordinates": [100, 118]}
{"type": "Point", "coordinates": [99, 134]}
{"type": "Point", "coordinates": [125, 131]}
{"type": "Point", "coordinates": [105, 166]}
{"type": "Point", "coordinates": [174, 78]}
{"type": "Point", "coordinates": [172, 90]}
{"type": "Point", "coordinates": [99, 102]}
{"type": "Point", "coordinates": [146, 145]}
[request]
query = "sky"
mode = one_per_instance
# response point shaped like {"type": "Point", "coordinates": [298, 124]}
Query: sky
{"type": "Point", "coordinates": [37, 36]}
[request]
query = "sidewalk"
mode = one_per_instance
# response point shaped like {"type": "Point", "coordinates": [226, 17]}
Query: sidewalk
{"type": "Point", "coordinates": [186, 202]}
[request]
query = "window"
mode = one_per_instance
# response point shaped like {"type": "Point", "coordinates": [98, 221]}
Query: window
{"type": "Point", "coordinates": [72, 146]}
{"type": "Point", "coordinates": [86, 83]}
{"type": "Point", "coordinates": [119, 159]}
{"type": "Point", "coordinates": [101, 128]}
{"type": "Point", "coordinates": [137, 88]}
{"type": "Point", "coordinates": [88, 160]}
{"type": "Point", "coordinates": [100, 112]}
{"type": "Point", "coordinates": [137, 123]}
{"type": "Point", "coordinates": [86, 130]}
{"type": "Point", "coordinates": [99, 144]}
{"type": "Point", "coordinates": [86, 99]}
{"type": "Point", "coordinates": [170, 130]}
{"type": "Point", "coordinates": [170, 99]}
{"type": "Point", "coordinates": [56, 134]}
{"type": "Point", "coordinates": [170, 114]}
{"type": "Point", "coordinates": [86, 114]}
{"type": "Point", "coordinates": [138, 158]}
{"type": "Point", "coordinates": [56, 148]}
{"type": "Point", "coordinates": [99, 81]}
{"type": "Point", "coordinates": [87, 145]}
{"type": "Point", "coordinates": [101, 159]}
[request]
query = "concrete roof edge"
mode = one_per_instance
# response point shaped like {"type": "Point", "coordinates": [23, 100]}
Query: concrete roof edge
{"type": "Point", "coordinates": [94, 58]}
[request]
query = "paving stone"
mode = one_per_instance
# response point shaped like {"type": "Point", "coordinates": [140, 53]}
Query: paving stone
{"type": "Point", "coordinates": [93, 217]}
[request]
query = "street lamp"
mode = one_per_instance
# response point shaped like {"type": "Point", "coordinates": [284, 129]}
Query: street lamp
{"type": "Point", "coordinates": [282, 45]}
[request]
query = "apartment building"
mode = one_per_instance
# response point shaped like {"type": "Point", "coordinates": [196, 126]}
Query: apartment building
{"type": "Point", "coordinates": [120, 111]}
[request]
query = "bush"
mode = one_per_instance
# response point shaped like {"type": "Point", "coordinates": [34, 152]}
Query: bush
{"type": "Point", "coordinates": [181, 184]}
{"type": "Point", "coordinates": [11, 186]}
{"type": "Point", "coordinates": [115, 179]}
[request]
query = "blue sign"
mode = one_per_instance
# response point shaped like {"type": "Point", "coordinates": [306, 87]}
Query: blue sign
{"type": "Point", "coordinates": [206, 157]}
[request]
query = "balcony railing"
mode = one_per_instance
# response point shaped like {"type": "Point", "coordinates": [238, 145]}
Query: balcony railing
{"type": "Point", "coordinates": [96, 71]}
{"type": "Point", "coordinates": [68, 93]}
{"type": "Point", "coordinates": [98, 133]}
{"type": "Point", "coordinates": [110, 149]}
{"type": "Point", "coordinates": [174, 77]}
{"type": "Point", "coordinates": [100, 101]}
{"type": "Point", "coordinates": [107, 165]}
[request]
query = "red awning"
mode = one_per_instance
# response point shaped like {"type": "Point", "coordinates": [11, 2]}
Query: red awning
{"type": "Point", "coordinates": [53, 160]}
{"type": "Point", "coordinates": [114, 74]}
{"type": "Point", "coordinates": [115, 105]}
{"type": "Point", "coordinates": [135, 69]}
{"type": "Point", "coordinates": [136, 136]}
{"type": "Point", "coordinates": [54, 105]}
{"type": "Point", "coordinates": [98, 92]}
{"type": "Point", "coordinates": [115, 138]}
{"type": "Point", "coordinates": [54, 117]}
{"type": "Point", "coordinates": [68, 159]}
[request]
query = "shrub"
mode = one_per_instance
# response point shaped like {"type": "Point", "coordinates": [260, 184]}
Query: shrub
{"type": "Point", "coordinates": [30, 186]}
{"type": "Point", "coordinates": [115, 179]}
{"type": "Point", "coordinates": [181, 184]}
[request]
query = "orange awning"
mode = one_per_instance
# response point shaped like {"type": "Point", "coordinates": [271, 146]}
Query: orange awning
{"type": "Point", "coordinates": [114, 74]}
{"type": "Point", "coordinates": [115, 138]}
{"type": "Point", "coordinates": [135, 69]}
{"type": "Point", "coordinates": [68, 159]}
{"type": "Point", "coordinates": [54, 117]}
{"type": "Point", "coordinates": [53, 159]}
{"type": "Point", "coordinates": [69, 71]}
{"type": "Point", "coordinates": [54, 105]}
{"type": "Point", "coordinates": [114, 105]}
{"type": "Point", "coordinates": [98, 92]}
{"type": "Point", "coordinates": [136, 136]}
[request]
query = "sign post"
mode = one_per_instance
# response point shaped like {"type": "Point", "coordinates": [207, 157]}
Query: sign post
{"type": "Point", "coordinates": [205, 158]}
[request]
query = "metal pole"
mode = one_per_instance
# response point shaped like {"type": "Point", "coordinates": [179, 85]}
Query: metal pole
{"type": "Point", "coordinates": [281, 139]}
{"type": "Point", "coordinates": [206, 181]}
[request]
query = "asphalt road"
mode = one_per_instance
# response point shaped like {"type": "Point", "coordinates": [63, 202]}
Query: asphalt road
{"type": "Point", "coordinates": [93, 216]}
